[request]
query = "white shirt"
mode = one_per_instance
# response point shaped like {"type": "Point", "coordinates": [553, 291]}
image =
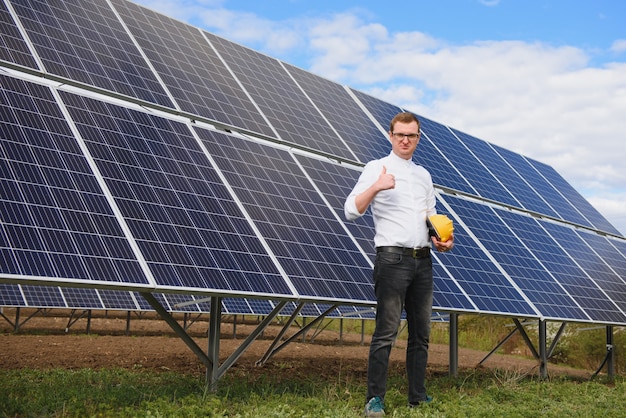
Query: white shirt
{"type": "Point", "coordinates": [399, 213]}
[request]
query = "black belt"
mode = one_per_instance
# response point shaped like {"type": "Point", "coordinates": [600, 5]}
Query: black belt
{"type": "Point", "coordinates": [423, 252]}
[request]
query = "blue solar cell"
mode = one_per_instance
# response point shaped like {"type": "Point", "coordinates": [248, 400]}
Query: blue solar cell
{"type": "Point", "coordinates": [581, 210]}
{"type": "Point", "coordinates": [191, 70]}
{"type": "Point", "coordinates": [289, 112]}
{"type": "Point", "coordinates": [486, 286]}
{"type": "Point", "coordinates": [447, 293]}
{"type": "Point", "coordinates": [173, 202]}
{"type": "Point", "coordinates": [336, 182]}
{"type": "Point", "coordinates": [595, 255]}
{"type": "Point", "coordinates": [10, 295]}
{"type": "Point", "coordinates": [43, 296]}
{"type": "Point", "coordinates": [57, 222]}
{"type": "Point", "coordinates": [312, 247]}
{"type": "Point", "coordinates": [536, 283]}
{"type": "Point", "coordinates": [82, 298]}
{"type": "Point", "coordinates": [382, 111]}
{"type": "Point", "coordinates": [118, 300]}
{"type": "Point", "coordinates": [523, 182]}
{"type": "Point", "coordinates": [468, 165]}
{"type": "Point", "coordinates": [84, 41]}
{"type": "Point", "coordinates": [13, 48]}
{"type": "Point", "coordinates": [620, 245]}
{"type": "Point", "coordinates": [505, 174]}
{"type": "Point", "coordinates": [442, 171]}
{"type": "Point", "coordinates": [360, 134]}
{"type": "Point", "coordinates": [563, 268]}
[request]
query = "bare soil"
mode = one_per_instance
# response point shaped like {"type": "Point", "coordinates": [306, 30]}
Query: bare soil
{"type": "Point", "coordinates": [45, 341]}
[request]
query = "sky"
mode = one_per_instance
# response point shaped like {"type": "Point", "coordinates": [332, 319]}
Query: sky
{"type": "Point", "coordinates": [543, 78]}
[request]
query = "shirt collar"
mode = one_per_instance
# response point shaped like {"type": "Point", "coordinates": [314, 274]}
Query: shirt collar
{"type": "Point", "coordinates": [396, 160]}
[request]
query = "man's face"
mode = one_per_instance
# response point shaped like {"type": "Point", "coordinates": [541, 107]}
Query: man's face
{"type": "Point", "coordinates": [404, 139]}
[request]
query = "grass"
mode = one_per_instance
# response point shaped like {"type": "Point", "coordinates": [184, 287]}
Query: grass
{"type": "Point", "coordinates": [141, 393]}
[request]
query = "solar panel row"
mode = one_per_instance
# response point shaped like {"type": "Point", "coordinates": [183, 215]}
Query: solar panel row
{"type": "Point", "coordinates": [113, 196]}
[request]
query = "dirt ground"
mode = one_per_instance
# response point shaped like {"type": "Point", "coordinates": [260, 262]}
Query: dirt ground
{"type": "Point", "coordinates": [43, 342]}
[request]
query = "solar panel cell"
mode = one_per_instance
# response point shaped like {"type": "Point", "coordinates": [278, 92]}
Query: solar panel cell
{"type": "Point", "coordinates": [193, 73]}
{"type": "Point", "coordinates": [290, 113]}
{"type": "Point", "coordinates": [150, 175]}
{"type": "Point", "coordinates": [84, 41]}
{"type": "Point", "coordinates": [13, 48]}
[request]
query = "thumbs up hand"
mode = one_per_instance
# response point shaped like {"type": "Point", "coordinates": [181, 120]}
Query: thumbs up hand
{"type": "Point", "coordinates": [386, 181]}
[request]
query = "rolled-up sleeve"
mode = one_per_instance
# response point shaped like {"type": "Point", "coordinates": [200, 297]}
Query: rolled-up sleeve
{"type": "Point", "coordinates": [366, 179]}
{"type": "Point", "coordinates": [349, 208]}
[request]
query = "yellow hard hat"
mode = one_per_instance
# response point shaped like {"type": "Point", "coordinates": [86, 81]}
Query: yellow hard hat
{"type": "Point", "coordinates": [440, 226]}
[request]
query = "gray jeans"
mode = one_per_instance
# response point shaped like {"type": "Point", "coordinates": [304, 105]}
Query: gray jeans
{"type": "Point", "coordinates": [401, 281]}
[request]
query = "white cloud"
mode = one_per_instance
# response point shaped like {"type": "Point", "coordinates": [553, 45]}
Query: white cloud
{"type": "Point", "coordinates": [619, 46]}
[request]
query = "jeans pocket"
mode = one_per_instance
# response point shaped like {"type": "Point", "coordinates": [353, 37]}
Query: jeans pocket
{"type": "Point", "coordinates": [388, 258]}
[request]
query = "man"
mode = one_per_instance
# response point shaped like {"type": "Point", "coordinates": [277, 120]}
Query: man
{"type": "Point", "coordinates": [402, 196]}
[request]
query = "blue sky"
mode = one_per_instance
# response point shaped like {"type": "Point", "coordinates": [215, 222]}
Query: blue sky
{"type": "Point", "coordinates": [543, 78]}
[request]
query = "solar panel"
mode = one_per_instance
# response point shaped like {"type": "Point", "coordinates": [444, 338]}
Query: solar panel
{"type": "Point", "coordinates": [56, 221]}
{"type": "Point", "coordinates": [362, 135]}
{"type": "Point", "coordinates": [568, 274]}
{"type": "Point", "coordinates": [182, 217]}
{"type": "Point", "coordinates": [83, 40]}
{"type": "Point", "coordinates": [310, 244]}
{"type": "Point", "coordinates": [335, 183]}
{"type": "Point", "coordinates": [467, 164]}
{"type": "Point", "coordinates": [44, 296]}
{"type": "Point", "coordinates": [10, 295]}
{"type": "Point", "coordinates": [504, 173]}
{"type": "Point", "coordinates": [620, 245]}
{"type": "Point", "coordinates": [587, 249]}
{"type": "Point", "coordinates": [118, 300]}
{"type": "Point", "coordinates": [442, 171]}
{"type": "Point", "coordinates": [290, 113]}
{"type": "Point", "coordinates": [13, 48]}
{"type": "Point", "coordinates": [482, 281]}
{"type": "Point", "coordinates": [448, 294]}
{"type": "Point", "coordinates": [536, 283]}
{"type": "Point", "coordinates": [193, 73]}
{"type": "Point", "coordinates": [82, 298]}
{"type": "Point", "coordinates": [525, 183]}
{"type": "Point", "coordinates": [380, 110]}
{"type": "Point", "coordinates": [581, 211]}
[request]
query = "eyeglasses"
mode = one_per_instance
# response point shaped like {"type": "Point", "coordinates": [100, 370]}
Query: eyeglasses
{"type": "Point", "coordinates": [399, 136]}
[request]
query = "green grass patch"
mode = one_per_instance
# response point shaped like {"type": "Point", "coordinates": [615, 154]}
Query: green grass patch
{"type": "Point", "coordinates": [130, 393]}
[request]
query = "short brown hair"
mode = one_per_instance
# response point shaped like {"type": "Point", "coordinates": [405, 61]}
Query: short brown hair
{"type": "Point", "coordinates": [404, 117]}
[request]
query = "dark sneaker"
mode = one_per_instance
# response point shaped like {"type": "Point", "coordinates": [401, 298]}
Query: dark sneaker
{"type": "Point", "coordinates": [375, 407]}
{"type": "Point", "coordinates": [428, 399]}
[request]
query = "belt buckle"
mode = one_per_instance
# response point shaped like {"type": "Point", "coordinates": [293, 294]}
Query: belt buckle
{"type": "Point", "coordinates": [415, 252]}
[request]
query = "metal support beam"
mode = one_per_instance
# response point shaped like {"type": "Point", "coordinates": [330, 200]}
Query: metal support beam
{"type": "Point", "coordinates": [454, 344]}
{"type": "Point", "coordinates": [609, 358]}
{"type": "Point", "coordinates": [543, 352]}
{"type": "Point", "coordinates": [271, 351]}
{"type": "Point", "coordinates": [500, 344]}
{"type": "Point", "coordinates": [214, 332]}
{"type": "Point", "coordinates": [526, 338]}
{"type": "Point", "coordinates": [180, 331]}
{"type": "Point", "coordinates": [610, 353]}
{"type": "Point", "coordinates": [282, 332]}
{"type": "Point", "coordinates": [557, 337]}
{"type": "Point", "coordinates": [250, 339]}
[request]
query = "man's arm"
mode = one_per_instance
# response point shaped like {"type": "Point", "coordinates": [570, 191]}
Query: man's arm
{"type": "Point", "coordinates": [356, 205]}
